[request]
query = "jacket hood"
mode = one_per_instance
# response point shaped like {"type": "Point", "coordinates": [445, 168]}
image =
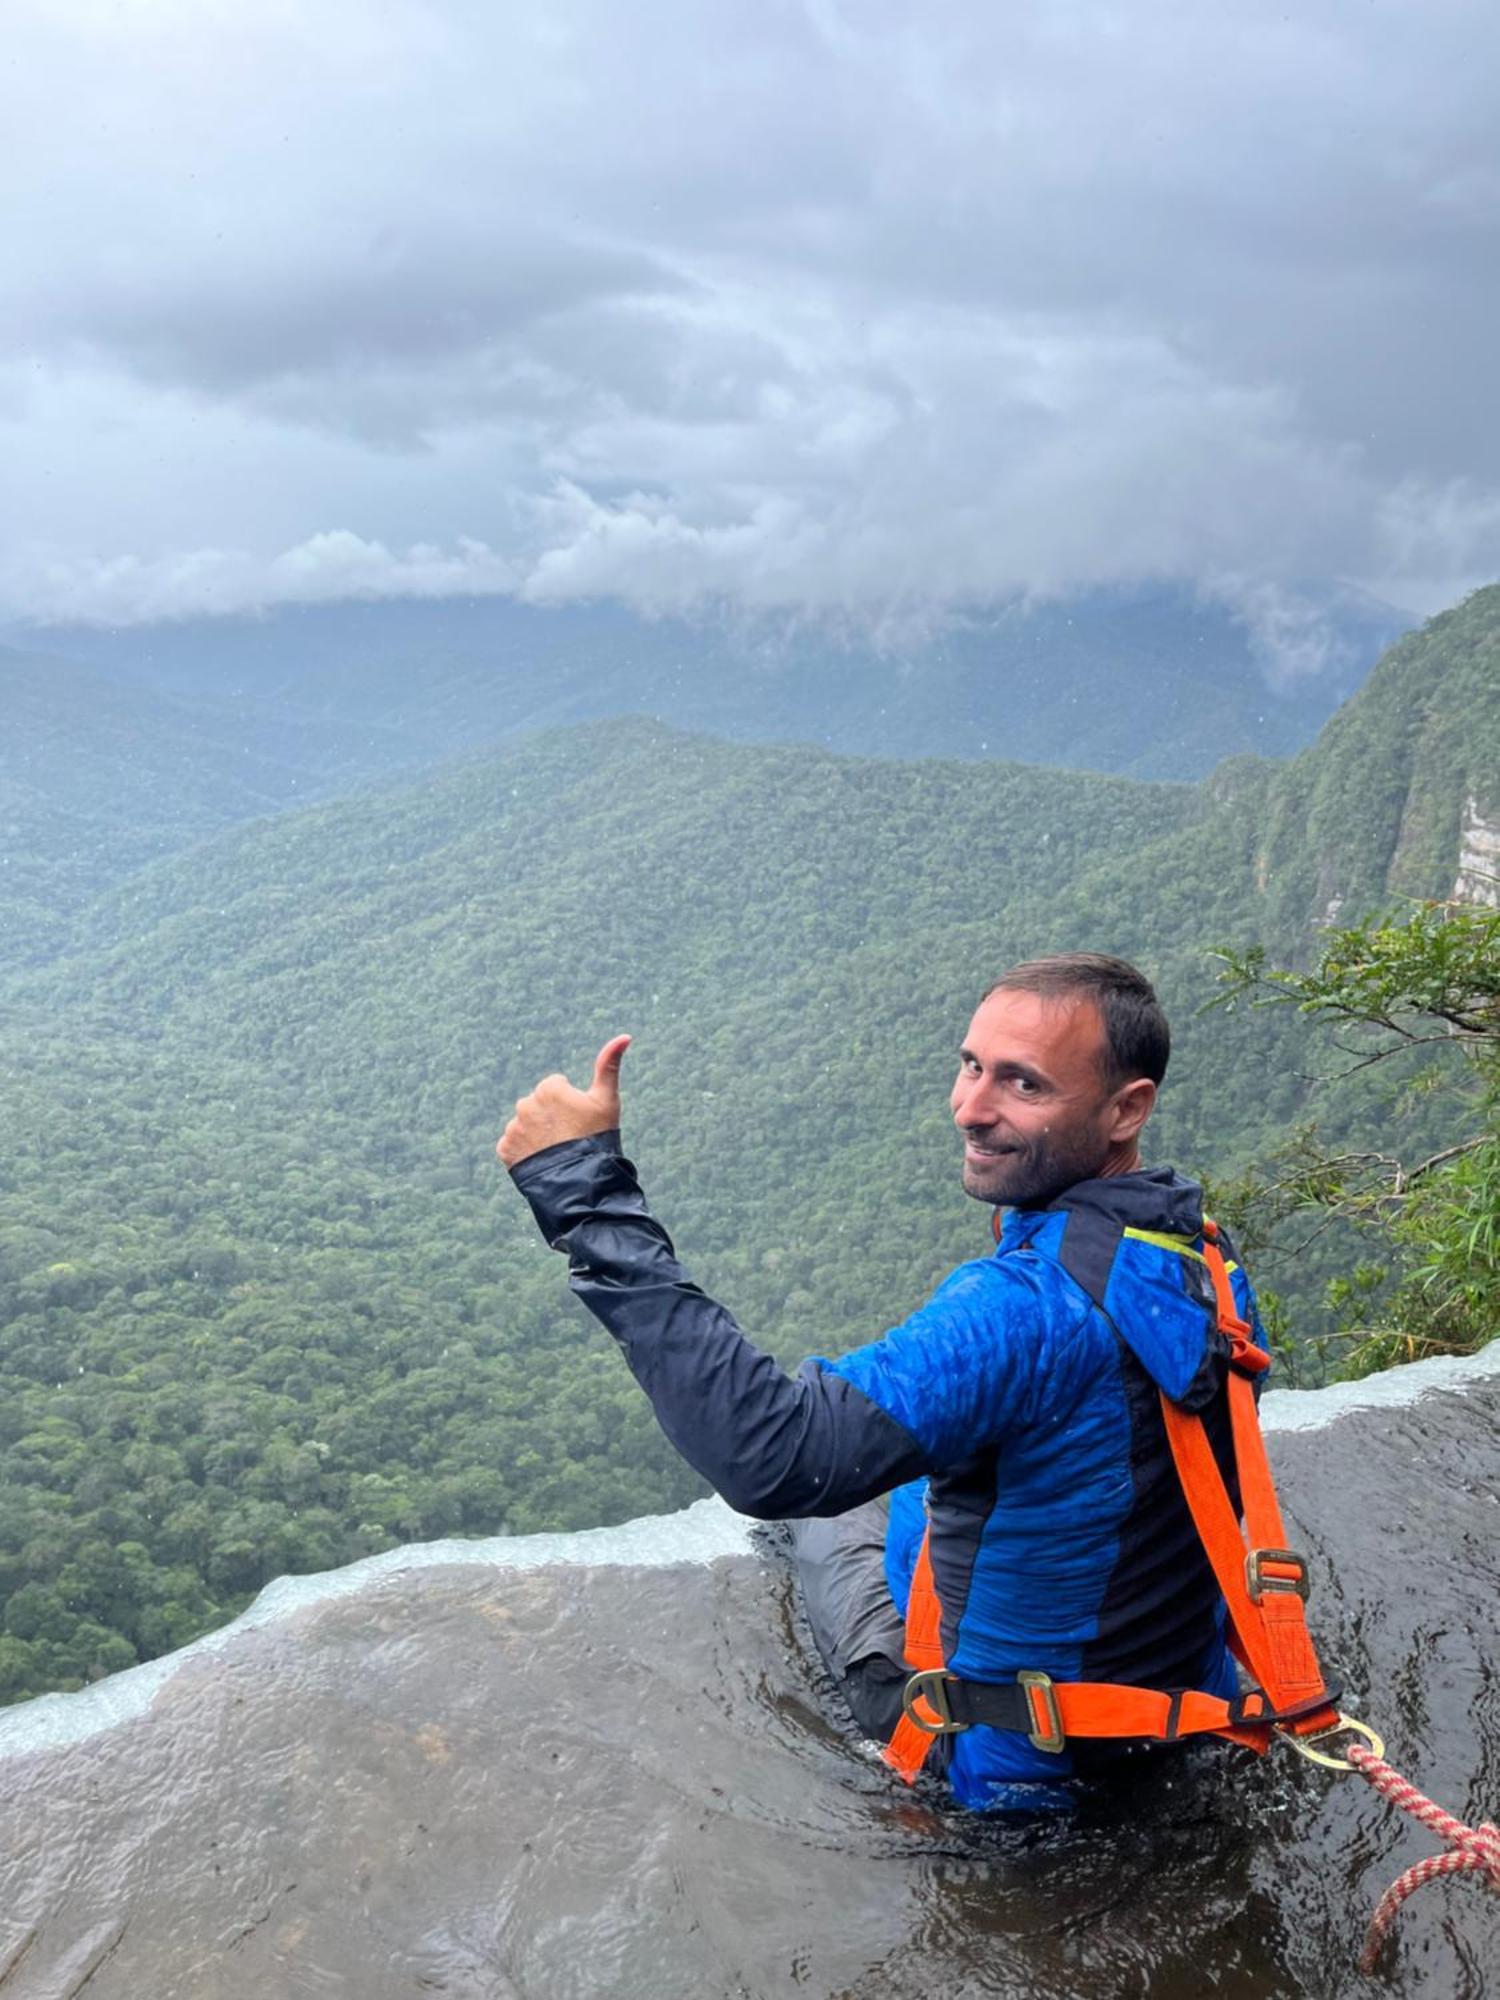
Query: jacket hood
{"type": "Point", "coordinates": [1142, 1286]}
{"type": "Point", "coordinates": [1155, 1198]}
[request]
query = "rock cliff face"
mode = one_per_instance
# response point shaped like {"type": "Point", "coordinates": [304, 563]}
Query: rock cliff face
{"type": "Point", "coordinates": [597, 1765]}
{"type": "Point", "coordinates": [1478, 859]}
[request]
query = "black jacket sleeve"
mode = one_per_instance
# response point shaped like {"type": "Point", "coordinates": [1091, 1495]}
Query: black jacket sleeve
{"type": "Point", "coordinates": [774, 1445]}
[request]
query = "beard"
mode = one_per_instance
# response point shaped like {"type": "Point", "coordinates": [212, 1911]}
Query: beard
{"type": "Point", "coordinates": [1029, 1173]}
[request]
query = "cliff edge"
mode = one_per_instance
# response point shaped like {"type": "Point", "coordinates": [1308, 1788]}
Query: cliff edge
{"type": "Point", "coordinates": [597, 1765]}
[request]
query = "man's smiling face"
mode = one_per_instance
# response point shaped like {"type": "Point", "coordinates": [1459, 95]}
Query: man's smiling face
{"type": "Point", "coordinates": [1034, 1103]}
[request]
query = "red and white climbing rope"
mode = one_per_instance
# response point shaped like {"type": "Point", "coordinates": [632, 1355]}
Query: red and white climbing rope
{"type": "Point", "coordinates": [1470, 1849]}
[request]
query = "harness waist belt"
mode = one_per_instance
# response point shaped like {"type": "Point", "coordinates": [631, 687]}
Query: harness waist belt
{"type": "Point", "coordinates": [1049, 1712]}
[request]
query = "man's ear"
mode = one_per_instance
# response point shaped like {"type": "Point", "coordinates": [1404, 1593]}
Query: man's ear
{"type": "Point", "coordinates": [1133, 1106]}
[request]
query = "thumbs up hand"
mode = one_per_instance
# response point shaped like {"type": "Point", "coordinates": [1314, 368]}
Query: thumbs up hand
{"type": "Point", "coordinates": [556, 1111]}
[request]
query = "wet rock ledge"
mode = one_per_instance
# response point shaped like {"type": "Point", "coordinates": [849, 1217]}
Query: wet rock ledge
{"type": "Point", "coordinates": [597, 1765]}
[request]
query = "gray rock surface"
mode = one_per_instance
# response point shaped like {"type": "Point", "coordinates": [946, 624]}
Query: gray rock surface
{"type": "Point", "coordinates": [608, 1773]}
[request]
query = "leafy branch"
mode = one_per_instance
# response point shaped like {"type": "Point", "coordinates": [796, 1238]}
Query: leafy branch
{"type": "Point", "coordinates": [1390, 979]}
{"type": "Point", "coordinates": [1397, 983]}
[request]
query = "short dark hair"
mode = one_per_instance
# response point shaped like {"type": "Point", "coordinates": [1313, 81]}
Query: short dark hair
{"type": "Point", "coordinates": [1137, 1040]}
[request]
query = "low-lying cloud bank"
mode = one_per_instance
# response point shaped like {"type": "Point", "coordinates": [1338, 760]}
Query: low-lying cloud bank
{"type": "Point", "coordinates": [1297, 631]}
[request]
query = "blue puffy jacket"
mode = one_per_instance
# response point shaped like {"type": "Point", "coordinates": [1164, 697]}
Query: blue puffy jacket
{"type": "Point", "coordinates": [1019, 1408]}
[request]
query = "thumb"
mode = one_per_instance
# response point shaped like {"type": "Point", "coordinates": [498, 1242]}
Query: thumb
{"type": "Point", "coordinates": [606, 1083]}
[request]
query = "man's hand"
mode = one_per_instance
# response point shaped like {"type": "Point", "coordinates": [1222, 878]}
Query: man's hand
{"type": "Point", "coordinates": [555, 1111]}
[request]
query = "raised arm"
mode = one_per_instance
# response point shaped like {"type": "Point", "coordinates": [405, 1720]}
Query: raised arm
{"type": "Point", "coordinates": [944, 1384]}
{"type": "Point", "coordinates": [774, 1445]}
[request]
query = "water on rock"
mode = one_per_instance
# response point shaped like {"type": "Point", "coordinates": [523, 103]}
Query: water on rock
{"type": "Point", "coordinates": [599, 1765]}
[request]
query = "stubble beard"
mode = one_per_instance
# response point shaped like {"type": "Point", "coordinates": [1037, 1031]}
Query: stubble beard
{"type": "Point", "coordinates": [1032, 1172]}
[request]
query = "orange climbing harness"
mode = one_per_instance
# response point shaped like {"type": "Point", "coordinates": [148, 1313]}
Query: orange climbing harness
{"type": "Point", "coordinates": [1264, 1584]}
{"type": "Point", "coordinates": [1265, 1588]}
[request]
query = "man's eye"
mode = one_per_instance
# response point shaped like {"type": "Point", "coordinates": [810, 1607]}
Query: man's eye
{"type": "Point", "coordinates": [1025, 1085]}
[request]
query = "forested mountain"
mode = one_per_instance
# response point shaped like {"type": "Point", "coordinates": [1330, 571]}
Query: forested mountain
{"type": "Point", "coordinates": [1150, 682]}
{"type": "Point", "coordinates": [97, 778]}
{"type": "Point", "coordinates": [1385, 800]}
{"type": "Point", "coordinates": [120, 746]}
{"type": "Point", "coordinates": [265, 1301]}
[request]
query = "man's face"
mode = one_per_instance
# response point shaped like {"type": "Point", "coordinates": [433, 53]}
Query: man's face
{"type": "Point", "coordinates": [1031, 1100]}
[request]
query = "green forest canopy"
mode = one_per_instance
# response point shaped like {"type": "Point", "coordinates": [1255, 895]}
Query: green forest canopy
{"type": "Point", "coordinates": [268, 1305]}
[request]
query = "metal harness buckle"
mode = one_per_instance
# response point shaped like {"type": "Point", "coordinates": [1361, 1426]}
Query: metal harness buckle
{"type": "Point", "coordinates": [931, 1686]}
{"type": "Point", "coordinates": [1258, 1582]}
{"type": "Point", "coordinates": [1051, 1738]}
{"type": "Point", "coordinates": [1345, 1726]}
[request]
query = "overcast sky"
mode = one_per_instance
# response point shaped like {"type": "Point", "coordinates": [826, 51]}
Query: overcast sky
{"type": "Point", "coordinates": [848, 306]}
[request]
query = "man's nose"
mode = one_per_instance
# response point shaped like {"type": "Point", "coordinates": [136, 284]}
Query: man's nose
{"type": "Point", "coordinates": [972, 1105]}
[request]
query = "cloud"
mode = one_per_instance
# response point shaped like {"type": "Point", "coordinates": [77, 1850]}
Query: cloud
{"type": "Point", "coordinates": [290, 320]}
{"type": "Point", "coordinates": [1296, 633]}
{"type": "Point", "coordinates": [59, 587]}
{"type": "Point", "coordinates": [856, 311]}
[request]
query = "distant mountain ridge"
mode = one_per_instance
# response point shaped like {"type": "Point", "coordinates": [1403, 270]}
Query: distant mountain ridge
{"type": "Point", "coordinates": [122, 746]}
{"type": "Point", "coordinates": [1149, 682]}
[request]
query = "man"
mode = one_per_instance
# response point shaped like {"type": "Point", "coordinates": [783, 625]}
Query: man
{"type": "Point", "coordinates": [1018, 1410]}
